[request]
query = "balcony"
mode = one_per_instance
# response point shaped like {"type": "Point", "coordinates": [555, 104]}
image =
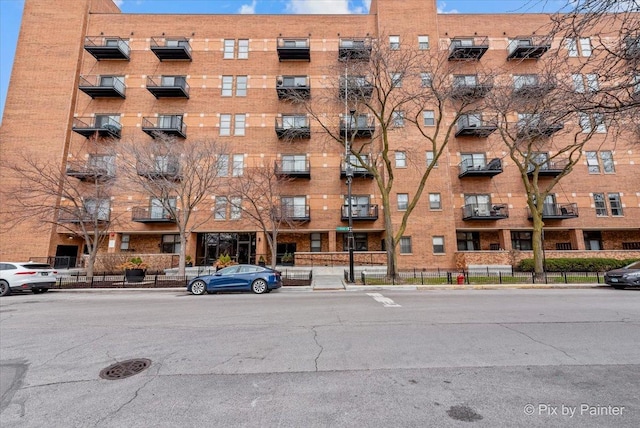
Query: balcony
{"type": "Point", "coordinates": [360, 212]}
{"type": "Point", "coordinates": [532, 87]}
{"type": "Point", "coordinates": [471, 168]}
{"type": "Point", "coordinates": [107, 47]}
{"type": "Point", "coordinates": [166, 124]}
{"type": "Point", "coordinates": [357, 127]}
{"type": "Point", "coordinates": [355, 88]}
{"type": "Point", "coordinates": [162, 170]}
{"type": "Point", "coordinates": [294, 49]}
{"type": "Point", "coordinates": [293, 169]}
{"type": "Point", "coordinates": [299, 213]}
{"type": "Point", "coordinates": [293, 87]}
{"type": "Point", "coordinates": [168, 86]}
{"type": "Point", "coordinates": [154, 214]}
{"type": "Point", "coordinates": [557, 211]}
{"type": "Point", "coordinates": [171, 49]}
{"type": "Point", "coordinates": [489, 212]}
{"type": "Point", "coordinates": [536, 127]}
{"type": "Point", "coordinates": [359, 171]}
{"type": "Point", "coordinates": [528, 47]}
{"type": "Point", "coordinates": [354, 49]}
{"type": "Point", "coordinates": [549, 168]}
{"type": "Point", "coordinates": [293, 127]}
{"type": "Point", "coordinates": [474, 126]}
{"type": "Point", "coordinates": [103, 126]}
{"type": "Point", "coordinates": [470, 87]}
{"type": "Point", "coordinates": [103, 86]}
{"type": "Point", "coordinates": [92, 172]}
{"type": "Point", "coordinates": [82, 216]}
{"type": "Point", "coordinates": [631, 47]}
{"type": "Point", "coordinates": [468, 48]}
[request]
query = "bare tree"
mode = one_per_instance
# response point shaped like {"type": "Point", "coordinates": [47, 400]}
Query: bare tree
{"type": "Point", "coordinates": [258, 193]}
{"type": "Point", "coordinates": [381, 87]}
{"type": "Point", "coordinates": [177, 177]}
{"type": "Point", "coordinates": [75, 199]}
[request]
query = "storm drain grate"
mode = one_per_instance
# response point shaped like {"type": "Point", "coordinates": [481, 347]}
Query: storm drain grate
{"type": "Point", "coordinates": [125, 369]}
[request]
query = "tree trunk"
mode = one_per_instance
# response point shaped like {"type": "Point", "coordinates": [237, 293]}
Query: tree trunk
{"type": "Point", "coordinates": [183, 250]}
{"type": "Point", "coordinates": [389, 241]}
{"type": "Point", "coordinates": [91, 262]}
{"type": "Point", "coordinates": [538, 245]}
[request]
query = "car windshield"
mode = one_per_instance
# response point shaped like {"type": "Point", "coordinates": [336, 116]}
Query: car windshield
{"type": "Point", "coordinates": [634, 265]}
{"type": "Point", "coordinates": [228, 270]}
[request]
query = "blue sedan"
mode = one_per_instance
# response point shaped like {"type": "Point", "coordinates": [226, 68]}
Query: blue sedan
{"type": "Point", "coordinates": [237, 278]}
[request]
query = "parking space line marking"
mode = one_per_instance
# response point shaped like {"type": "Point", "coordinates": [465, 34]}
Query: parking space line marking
{"type": "Point", "coordinates": [386, 302]}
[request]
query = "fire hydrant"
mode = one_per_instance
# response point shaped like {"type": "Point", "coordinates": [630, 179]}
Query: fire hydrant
{"type": "Point", "coordinates": [460, 279]}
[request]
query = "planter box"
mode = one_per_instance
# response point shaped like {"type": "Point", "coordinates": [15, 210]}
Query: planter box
{"type": "Point", "coordinates": [134, 275]}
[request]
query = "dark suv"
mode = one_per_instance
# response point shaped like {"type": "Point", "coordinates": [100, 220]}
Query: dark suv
{"type": "Point", "coordinates": [628, 276]}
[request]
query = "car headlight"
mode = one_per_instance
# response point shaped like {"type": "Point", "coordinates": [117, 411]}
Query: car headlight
{"type": "Point", "coordinates": [633, 275]}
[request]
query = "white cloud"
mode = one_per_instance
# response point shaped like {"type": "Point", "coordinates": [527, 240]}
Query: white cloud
{"type": "Point", "coordinates": [247, 9]}
{"type": "Point", "coordinates": [118, 2]}
{"type": "Point", "coordinates": [442, 6]}
{"type": "Point", "coordinates": [324, 7]}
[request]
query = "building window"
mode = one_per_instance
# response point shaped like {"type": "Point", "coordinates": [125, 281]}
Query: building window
{"type": "Point", "coordinates": [430, 157]}
{"type": "Point", "coordinates": [600, 204]}
{"type": "Point", "coordinates": [615, 204]}
{"type": "Point", "coordinates": [236, 207]}
{"type": "Point", "coordinates": [403, 201]}
{"type": "Point", "coordinates": [606, 156]}
{"type": "Point", "coordinates": [316, 242]}
{"type": "Point", "coordinates": [221, 208]}
{"type": "Point", "coordinates": [401, 160]}
{"type": "Point", "coordinates": [98, 208]}
{"type": "Point", "coordinates": [360, 242]}
{"type": "Point", "coordinates": [405, 245]}
{"type": "Point", "coordinates": [429, 118]}
{"type": "Point", "coordinates": [170, 244]}
{"type": "Point", "coordinates": [472, 161]}
{"type": "Point", "coordinates": [572, 47]}
{"type": "Point", "coordinates": [438, 244]}
{"type": "Point", "coordinates": [423, 43]}
{"type": "Point", "coordinates": [124, 242]}
{"type": "Point", "coordinates": [585, 46]}
{"type": "Point", "coordinates": [227, 86]}
{"type": "Point", "coordinates": [238, 129]}
{"type": "Point", "coordinates": [394, 43]}
{"type": "Point", "coordinates": [468, 241]}
{"type": "Point", "coordinates": [238, 165]}
{"type": "Point", "coordinates": [223, 165]}
{"type": "Point", "coordinates": [398, 119]}
{"type": "Point", "coordinates": [225, 125]}
{"type": "Point", "coordinates": [592, 82]}
{"type": "Point", "coordinates": [593, 240]}
{"type": "Point", "coordinates": [396, 80]}
{"type": "Point", "coordinates": [434, 201]}
{"type": "Point", "coordinates": [521, 241]}
{"type": "Point", "coordinates": [578, 83]}
{"type": "Point", "coordinates": [524, 80]}
{"type": "Point", "coordinates": [294, 206]}
{"type": "Point", "coordinates": [243, 49]}
{"type": "Point", "coordinates": [229, 48]}
{"type": "Point", "coordinates": [425, 80]}
{"type": "Point", "coordinates": [241, 86]}
{"type": "Point", "coordinates": [294, 163]}
{"type": "Point", "coordinates": [594, 159]}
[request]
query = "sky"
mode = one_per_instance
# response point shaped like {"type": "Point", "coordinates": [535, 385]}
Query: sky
{"type": "Point", "coordinates": [11, 15]}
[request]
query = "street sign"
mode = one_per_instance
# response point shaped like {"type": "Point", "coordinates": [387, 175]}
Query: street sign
{"type": "Point", "coordinates": [342, 229]}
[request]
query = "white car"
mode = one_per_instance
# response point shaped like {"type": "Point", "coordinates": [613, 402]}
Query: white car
{"type": "Point", "coordinates": [37, 277]}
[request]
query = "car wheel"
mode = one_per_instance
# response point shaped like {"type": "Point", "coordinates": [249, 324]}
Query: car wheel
{"type": "Point", "coordinates": [618, 287]}
{"type": "Point", "coordinates": [5, 290]}
{"type": "Point", "coordinates": [199, 288]}
{"type": "Point", "coordinates": [36, 290]}
{"type": "Point", "coordinates": [259, 286]}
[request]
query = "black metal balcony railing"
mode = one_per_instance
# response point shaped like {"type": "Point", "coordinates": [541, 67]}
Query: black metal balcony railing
{"type": "Point", "coordinates": [294, 49]}
{"type": "Point", "coordinates": [103, 86]}
{"type": "Point", "coordinates": [537, 128]}
{"type": "Point", "coordinates": [359, 171]}
{"type": "Point", "coordinates": [557, 211]}
{"type": "Point", "coordinates": [469, 168]}
{"type": "Point", "coordinates": [168, 86]}
{"type": "Point", "coordinates": [169, 171]}
{"type": "Point", "coordinates": [468, 48]}
{"type": "Point", "coordinates": [485, 212]}
{"type": "Point", "coordinates": [171, 48]}
{"type": "Point", "coordinates": [360, 212]}
{"type": "Point", "coordinates": [169, 125]}
{"type": "Point", "coordinates": [72, 216]}
{"type": "Point", "coordinates": [355, 88]}
{"type": "Point", "coordinates": [293, 87]}
{"type": "Point", "coordinates": [293, 169]}
{"type": "Point", "coordinates": [631, 47]}
{"type": "Point", "coordinates": [550, 168]}
{"type": "Point", "coordinates": [474, 126]}
{"type": "Point", "coordinates": [464, 89]}
{"type": "Point", "coordinates": [293, 213]}
{"type": "Point", "coordinates": [293, 127]}
{"type": "Point", "coordinates": [103, 126]}
{"type": "Point", "coordinates": [354, 49]}
{"type": "Point", "coordinates": [528, 47]}
{"type": "Point", "coordinates": [151, 215]}
{"type": "Point", "coordinates": [533, 88]}
{"type": "Point", "coordinates": [84, 171]}
{"type": "Point", "coordinates": [107, 47]}
{"type": "Point", "coordinates": [358, 127]}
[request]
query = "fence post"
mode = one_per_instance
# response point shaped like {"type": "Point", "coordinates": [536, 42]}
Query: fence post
{"type": "Point", "coordinates": [363, 278]}
{"type": "Point", "coordinates": [449, 280]}
{"type": "Point", "coordinates": [598, 277]}
{"type": "Point", "coordinates": [565, 277]}
{"type": "Point", "coordinates": [155, 281]}
{"type": "Point", "coordinates": [421, 278]}
{"type": "Point", "coordinates": [533, 277]}
{"type": "Point", "coordinates": [499, 277]}
{"type": "Point", "coordinates": [546, 281]}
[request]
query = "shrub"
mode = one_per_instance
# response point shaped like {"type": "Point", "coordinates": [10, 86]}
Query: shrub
{"type": "Point", "coordinates": [577, 265]}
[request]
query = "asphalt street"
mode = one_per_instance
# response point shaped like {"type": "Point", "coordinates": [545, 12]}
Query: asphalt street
{"type": "Point", "coordinates": [381, 358]}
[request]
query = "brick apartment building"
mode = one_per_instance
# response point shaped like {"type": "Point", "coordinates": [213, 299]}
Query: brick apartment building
{"type": "Point", "coordinates": [82, 67]}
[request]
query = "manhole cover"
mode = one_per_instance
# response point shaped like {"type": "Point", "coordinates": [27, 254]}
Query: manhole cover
{"type": "Point", "coordinates": [125, 369]}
